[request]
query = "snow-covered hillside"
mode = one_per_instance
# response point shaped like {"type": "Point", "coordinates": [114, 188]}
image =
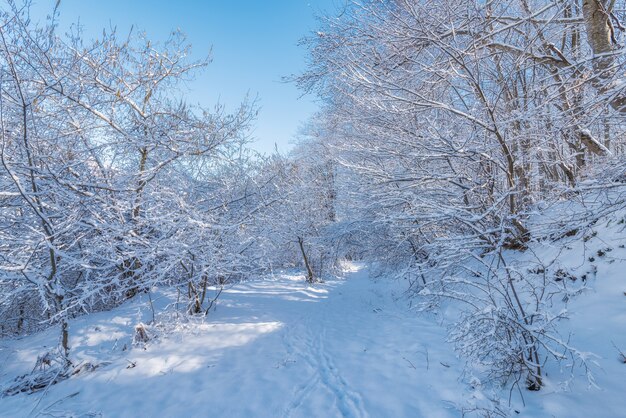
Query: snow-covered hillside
{"type": "Point", "coordinates": [593, 261]}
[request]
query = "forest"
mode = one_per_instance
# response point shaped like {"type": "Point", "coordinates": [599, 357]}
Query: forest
{"type": "Point", "coordinates": [468, 154]}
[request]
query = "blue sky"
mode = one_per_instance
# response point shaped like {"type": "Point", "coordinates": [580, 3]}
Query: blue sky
{"type": "Point", "coordinates": [254, 44]}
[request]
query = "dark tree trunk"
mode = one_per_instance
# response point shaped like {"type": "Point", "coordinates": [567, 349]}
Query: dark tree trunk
{"type": "Point", "coordinates": [309, 270]}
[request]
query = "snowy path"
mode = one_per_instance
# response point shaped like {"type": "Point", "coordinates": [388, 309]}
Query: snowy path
{"type": "Point", "coordinates": [275, 348]}
{"type": "Point", "coordinates": [361, 355]}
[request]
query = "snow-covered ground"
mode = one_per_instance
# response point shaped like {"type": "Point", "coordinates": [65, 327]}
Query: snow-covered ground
{"type": "Point", "coordinates": [348, 347]}
{"type": "Point", "coordinates": [272, 348]}
{"type": "Point", "coordinates": [596, 259]}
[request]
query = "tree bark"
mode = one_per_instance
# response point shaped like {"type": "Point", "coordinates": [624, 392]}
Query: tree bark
{"type": "Point", "coordinates": [601, 39]}
{"type": "Point", "coordinates": [309, 277]}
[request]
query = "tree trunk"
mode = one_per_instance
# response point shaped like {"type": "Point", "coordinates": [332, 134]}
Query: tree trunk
{"type": "Point", "coordinates": [601, 39]}
{"type": "Point", "coordinates": [309, 277]}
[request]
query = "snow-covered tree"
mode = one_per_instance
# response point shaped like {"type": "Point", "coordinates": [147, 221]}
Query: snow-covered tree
{"type": "Point", "coordinates": [100, 157]}
{"type": "Point", "coordinates": [458, 118]}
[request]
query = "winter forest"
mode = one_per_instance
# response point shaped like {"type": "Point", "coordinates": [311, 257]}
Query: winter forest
{"type": "Point", "coordinates": [445, 238]}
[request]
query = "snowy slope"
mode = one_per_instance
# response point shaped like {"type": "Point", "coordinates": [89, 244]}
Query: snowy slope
{"type": "Point", "coordinates": [276, 348]}
{"type": "Point", "coordinates": [596, 325]}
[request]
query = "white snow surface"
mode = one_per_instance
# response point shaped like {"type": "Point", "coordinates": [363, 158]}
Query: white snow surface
{"type": "Point", "coordinates": [272, 348]}
{"type": "Point", "coordinates": [596, 326]}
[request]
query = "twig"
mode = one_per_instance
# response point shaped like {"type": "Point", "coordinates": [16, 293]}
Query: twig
{"type": "Point", "coordinates": [409, 361]}
{"type": "Point", "coordinates": [71, 395]}
{"type": "Point", "coordinates": [621, 353]}
{"type": "Point", "coordinates": [151, 305]}
{"type": "Point", "coordinates": [53, 381]}
{"type": "Point", "coordinates": [213, 301]}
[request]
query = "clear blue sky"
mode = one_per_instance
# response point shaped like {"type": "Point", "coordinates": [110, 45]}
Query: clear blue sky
{"type": "Point", "coordinates": [254, 44]}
